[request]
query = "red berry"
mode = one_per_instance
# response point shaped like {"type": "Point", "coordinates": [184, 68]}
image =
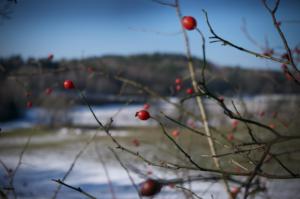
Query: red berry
{"type": "Point", "coordinates": [143, 115]}
{"type": "Point", "coordinates": [235, 123]}
{"type": "Point", "coordinates": [178, 87]}
{"type": "Point", "coordinates": [191, 123]}
{"type": "Point", "coordinates": [268, 158]}
{"type": "Point", "coordinates": [68, 84]}
{"type": "Point", "coordinates": [268, 52]}
{"type": "Point", "coordinates": [90, 69]}
{"type": "Point", "coordinates": [175, 133]}
{"type": "Point", "coordinates": [288, 76]}
{"type": "Point", "coordinates": [150, 187]}
{"type": "Point", "coordinates": [136, 142]}
{"type": "Point", "coordinates": [230, 137]}
{"type": "Point", "coordinates": [189, 22]}
{"type": "Point", "coordinates": [146, 106]}
{"type": "Point", "coordinates": [285, 124]}
{"type": "Point", "coordinates": [29, 104]}
{"type": "Point", "coordinates": [172, 186]}
{"type": "Point", "coordinates": [261, 113]}
{"type": "Point", "coordinates": [272, 126]}
{"type": "Point", "coordinates": [234, 191]}
{"type": "Point", "coordinates": [221, 98]}
{"type": "Point", "coordinates": [286, 56]}
{"type": "Point", "coordinates": [278, 23]}
{"type": "Point", "coordinates": [178, 80]}
{"type": "Point", "coordinates": [237, 169]}
{"type": "Point", "coordinates": [189, 91]}
{"type": "Point", "coordinates": [48, 91]}
{"type": "Point", "coordinates": [50, 57]}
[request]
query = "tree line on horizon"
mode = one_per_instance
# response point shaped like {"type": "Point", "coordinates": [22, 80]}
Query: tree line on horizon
{"type": "Point", "coordinates": [22, 79]}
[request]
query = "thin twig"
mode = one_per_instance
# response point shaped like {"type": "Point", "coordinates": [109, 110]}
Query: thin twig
{"type": "Point", "coordinates": [226, 42]}
{"type": "Point", "coordinates": [281, 34]}
{"type": "Point", "coordinates": [190, 191]}
{"type": "Point", "coordinates": [111, 188]}
{"type": "Point", "coordinates": [128, 173]}
{"type": "Point", "coordinates": [78, 189]}
{"type": "Point", "coordinates": [14, 172]}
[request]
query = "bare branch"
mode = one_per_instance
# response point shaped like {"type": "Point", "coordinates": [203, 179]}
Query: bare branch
{"type": "Point", "coordinates": [78, 189]}
{"type": "Point", "coordinates": [226, 42]}
{"type": "Point", "coordinates": [128, 173]}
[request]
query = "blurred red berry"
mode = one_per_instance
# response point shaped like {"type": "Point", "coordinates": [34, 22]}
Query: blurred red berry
{"type": "Point", "coordinates": [286, 56]}
{"type": "Point", "coordinates": [272, 126]}
{"type": "Point", "coordinates": [288, 76]}
{"type": "Point", "coordinates": [285, 124]}
{"type": "Point", "coordinates": [150, 187]}
{"type": "Point", "coordinates": [178, 80]}
{"type": "Point", "coordinates": [68, 84]}
{"type": "Point", "coordinates": [237, 169]}
{"type": "Point", "coordinates": [142, 115]}
{"type": "Point", "coordinates": [235, 123]}
{"type": "Point", "coordinates": [50, 57]}
{"type": "Point", "coordinates": [175, 133]}
{"type": "Point", "coordinates": [278, 23]}
{"type": "Point", "coordinates": [146, 106]}
{"type": "Point", "coordinates": [189, 91]}
{"type": "Point", "coordinates": [136, 142]}
{"type": "Point", "coordinates": [189, 22]}
{"type": "Point", "coordinates": [234, 191]}
{"type": "Point", "coordinates": [268, 158]}
{"type": "Point", "coordinates": [172, 186]}
{"type": "Point", "coordinates": [268, 52]}
{"type": "Point", "coordinates": [191, 123]}
{"type": "Point", "coordinates": [48, 91]}
{"type": "Point", "coordinates": [230, 137]}
{"type": "Point", "coordinates": [90, 69]}
{"type": "Point", "coordinates": [178, 87]}
{"type": "Point", "coordinates": [29, 104]}
{"type": "Point", "coordinates": [261, 113]}
{"type": "Point", "coordinates": [221, 98]}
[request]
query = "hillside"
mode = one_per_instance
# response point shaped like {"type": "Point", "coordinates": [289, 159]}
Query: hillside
{"type": "Point", "coordinates": [96, 75]}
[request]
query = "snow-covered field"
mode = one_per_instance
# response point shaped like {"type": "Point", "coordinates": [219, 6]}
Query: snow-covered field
{"type": "Point", "coordinates": [44, 160]}
{"type": "Point", "coordinates": [50, 155]}
{"type": "Point", "coordinates": [41, 164]}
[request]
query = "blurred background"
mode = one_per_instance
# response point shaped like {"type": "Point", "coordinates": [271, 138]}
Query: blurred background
{"type": "Point", "coordinates": [115, 51]}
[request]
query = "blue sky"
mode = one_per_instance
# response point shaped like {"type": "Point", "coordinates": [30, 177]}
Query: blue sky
{"type": "Point", "coordinates": [76, 28]}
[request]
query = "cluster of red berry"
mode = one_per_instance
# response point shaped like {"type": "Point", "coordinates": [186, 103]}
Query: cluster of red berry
{"type": "Point", "coordinates": [178, 86]}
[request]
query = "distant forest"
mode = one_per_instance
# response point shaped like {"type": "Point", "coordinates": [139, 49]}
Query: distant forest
{"type": "Point", "coordinates": [22, 79]}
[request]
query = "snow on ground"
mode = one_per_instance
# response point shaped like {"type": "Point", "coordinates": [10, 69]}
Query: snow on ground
{"type": "Point", "coordinates": [123, 115]}
{"type": "Point", "coordinates": [40, 165]}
